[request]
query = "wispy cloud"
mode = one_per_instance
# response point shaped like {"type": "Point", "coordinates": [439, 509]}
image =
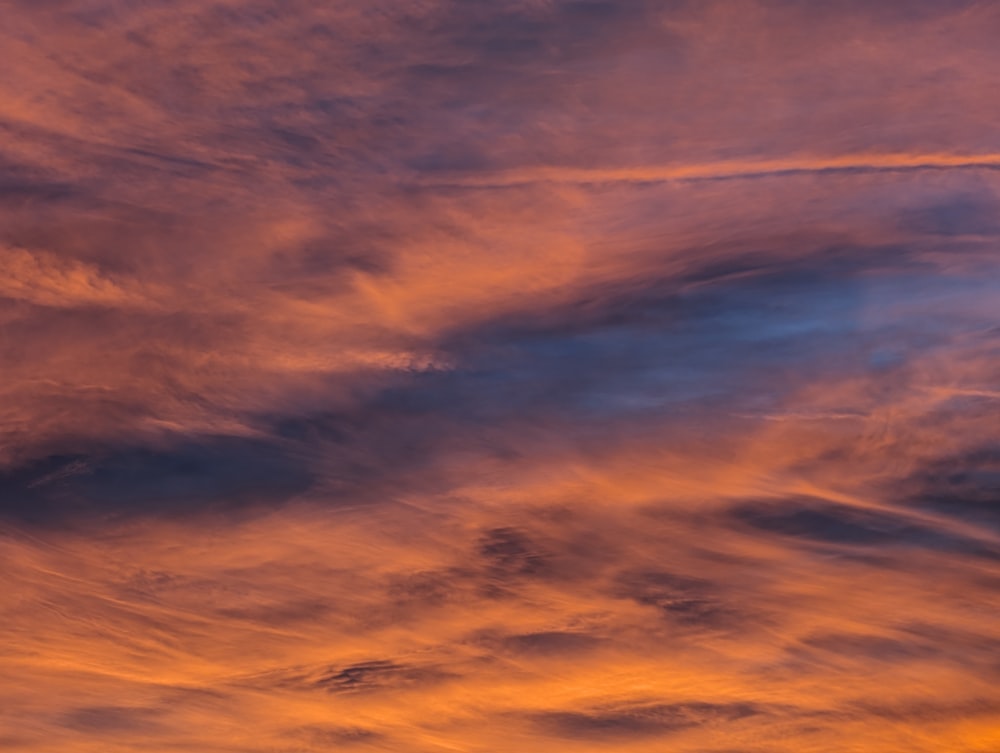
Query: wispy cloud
{"type": "Point", "coordinates": [446, 375]}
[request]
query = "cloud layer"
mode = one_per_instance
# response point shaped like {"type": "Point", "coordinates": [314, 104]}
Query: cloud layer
{"type": "Point", "coordinates": [535, 375]}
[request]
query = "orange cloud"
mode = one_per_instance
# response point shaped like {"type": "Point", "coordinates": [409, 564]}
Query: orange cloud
{"type": "Point", "coordinates": [442, 376]}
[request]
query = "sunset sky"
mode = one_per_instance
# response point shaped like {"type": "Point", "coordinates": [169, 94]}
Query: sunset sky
{"type": "Point", "coordinates": [488, 376]}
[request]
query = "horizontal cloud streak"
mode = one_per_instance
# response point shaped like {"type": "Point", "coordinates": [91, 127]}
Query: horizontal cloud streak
{"type": "Point", "coordinates": [872, 163]}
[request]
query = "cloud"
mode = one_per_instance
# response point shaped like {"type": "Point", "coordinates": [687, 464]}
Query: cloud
{"type": "Point", "coordinates": [642, 720]}
{"type": "Point", "coordinates": [542, 375]}
{"type": "Point", "coordinates": [45, 280]}
{"type": "Point", "coordinates": [202, 475]}
{"type": "Point", "coordinates": [746, 170]}
{"type": "Point", "coordinates": [842, 524]}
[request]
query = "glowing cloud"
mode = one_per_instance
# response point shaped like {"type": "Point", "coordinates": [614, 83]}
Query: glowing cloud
{"type": "Point", "coordinates": [563, 375]}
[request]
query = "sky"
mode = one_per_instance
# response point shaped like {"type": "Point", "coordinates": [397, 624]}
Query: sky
{"type": "Point", "coordinates": [439, 376]}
